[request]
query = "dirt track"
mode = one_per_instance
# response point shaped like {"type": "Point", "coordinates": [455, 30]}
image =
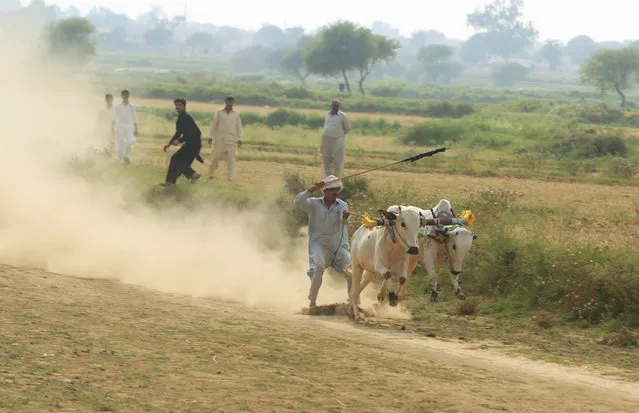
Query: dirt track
{"type": "Point", "coordinates": [72, 344]}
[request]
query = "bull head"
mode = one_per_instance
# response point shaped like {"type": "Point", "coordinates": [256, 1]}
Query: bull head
{"type": "Point", "coordinates": [388, 215]}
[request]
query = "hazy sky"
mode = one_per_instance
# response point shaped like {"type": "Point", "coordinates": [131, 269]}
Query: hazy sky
{"type": "Point", "coordinates": [556, 19]}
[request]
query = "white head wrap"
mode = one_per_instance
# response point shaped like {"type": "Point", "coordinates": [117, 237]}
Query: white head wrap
{"type": "Point", "coordinates": [332, 182]}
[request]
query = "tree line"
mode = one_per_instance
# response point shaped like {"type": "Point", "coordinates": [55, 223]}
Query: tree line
{"type": "Point", "coordinates": [343, 49]}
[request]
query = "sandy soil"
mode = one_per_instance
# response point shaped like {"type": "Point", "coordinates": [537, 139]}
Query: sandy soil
{"type": "Point", "coordinates": [72, 344]}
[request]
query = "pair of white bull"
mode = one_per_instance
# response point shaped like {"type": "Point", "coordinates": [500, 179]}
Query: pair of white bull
{"type": "Point", "coordinates": [394, 249]}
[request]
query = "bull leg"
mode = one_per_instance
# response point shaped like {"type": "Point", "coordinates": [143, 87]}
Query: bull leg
{"type": "Point", "coordinates": [368, 277]}
{"type": "Point", "coordinates": [432, 274]}
{"type": "Point", "coordinates": [454, 278]}
{"type": "Point", "coordinates": [383, 291]}
{"type": "Point", "coordinates": [403, 280]}
{"type": "Point", "coordinates": [354, 292]}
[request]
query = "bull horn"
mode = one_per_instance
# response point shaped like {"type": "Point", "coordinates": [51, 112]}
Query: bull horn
{"type": "Point", "coordinates": [389, 215]}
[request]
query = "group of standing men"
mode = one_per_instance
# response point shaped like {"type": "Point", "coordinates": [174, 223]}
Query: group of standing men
{"type": "Point", "coordinates": [118, 127]}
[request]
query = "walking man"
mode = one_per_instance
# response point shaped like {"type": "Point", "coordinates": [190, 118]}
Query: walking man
{"type": "Point", "coordinates": [336, 126]}
{"type": "Point", "coordinates": [126, 126]}
{"type": "Point", "coordinates": [227, 130]}
{"type": "Point", "coordinates": [187, 133]}
{"type": "Point", "coordinates": [328, 244]}
{"type": "Point", "coordinates": [105, 128]}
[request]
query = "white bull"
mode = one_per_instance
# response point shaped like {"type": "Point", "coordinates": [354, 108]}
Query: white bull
{"type": "Point", "coordinates": [443, 246]}
{"type": "Point", "coordinates": [384, 251]}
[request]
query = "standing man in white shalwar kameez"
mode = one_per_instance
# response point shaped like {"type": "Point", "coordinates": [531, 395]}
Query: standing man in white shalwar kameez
{"type": "Point", "coordinates": [336, 126]}
{"type": "Point", "coordinates": [226, 129]}
{"type": "Point", "coordinates": [126, 128]}
{"type": "Point", "coordinates": [105, 127]}
{"type": "Point", "coordinates": [328, 244]}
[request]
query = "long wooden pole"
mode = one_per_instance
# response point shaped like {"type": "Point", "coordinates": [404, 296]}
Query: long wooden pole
{"type": "Point", "coordinates": [409, 159]}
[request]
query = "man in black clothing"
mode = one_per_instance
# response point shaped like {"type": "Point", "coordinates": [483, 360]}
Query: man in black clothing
{"type": "Point", "coordinates": [187, 133]}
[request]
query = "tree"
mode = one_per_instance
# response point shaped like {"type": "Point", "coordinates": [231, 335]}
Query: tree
{"type": "Point", "coordinates": [158, 37]}
{"type": "Point", "coordinates": [253, 59]}
{"type": "Point", "coordinates": [72, 11]}
{"type": "Point", "coordinates": [275, 57]}
{"type": "Point", "coordinates": [200, 39]}
{"type": "Point", "coordinates": [436, 60]}
{"type": "Point", "coordinates": [295, 33]}
{"type": "Point", "coordinates": [551, 52]}
{"type": "Point", "coordinates": [508, 74]}
{"type": "Point", "coordinates": [334, 51]}
{"type": "Point", "coordinates": [501, 17]}
{"type": "Point", "coordinates": [71, 39]}
{"type": "Point", "coordinates": [293, 63]}
{"type": "Point", "coordinates": [383, 50]}
{"type": "Point", "coordinates": [612, 70]}
{"type": "Point", "coordinates": [423, 38]}
{"type": "Point", "coordinates": [344, 46]}
{"type": "Point", "coordinates": [477, 48]}
{"type": "Point", "coordinates": [580, 48]}
{"type": "Point", "coordinates": [116, 39]}
{"type": "Point", "coordinates": [270, 35]}
{"type": "Point", "coordinates": [105, 18]}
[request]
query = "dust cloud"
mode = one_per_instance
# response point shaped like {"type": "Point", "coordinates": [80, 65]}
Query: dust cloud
{"type": "Point", "coordinates": [62, 222]}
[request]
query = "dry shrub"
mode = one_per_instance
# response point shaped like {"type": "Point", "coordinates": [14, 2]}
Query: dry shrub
{"type": "Point", "coordinates": [467, 306]}
{"type": "Point", "coordinates": [544, 319]}
{"type": "Point", "coordinates": [623, 338]}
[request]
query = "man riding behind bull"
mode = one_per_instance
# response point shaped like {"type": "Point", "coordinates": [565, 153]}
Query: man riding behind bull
{"type": "Point", "coordinates": [328, 244]}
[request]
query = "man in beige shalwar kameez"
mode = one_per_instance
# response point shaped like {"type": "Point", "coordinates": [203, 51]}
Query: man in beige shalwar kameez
{"type": "Point", "coordinates": [336, 126]}
{"type": "Point", "coordinates": [227, 131]}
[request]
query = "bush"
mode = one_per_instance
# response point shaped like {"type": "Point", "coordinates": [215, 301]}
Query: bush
{"type": "Point", "coordinates": [544, 319]}
{"type": "Point", "coordinates": [586, 145]}
{"type": "Point", "coordinates": [508, 74]}
{"type": "Point", "coordinates": [298, 93]}
{"type": "Point", "coordinates": [378, 126]}
{"type": "Point", "coordinates": [434, 133]}
{"type": "Point", "coordinates": [467, 307]}
{"type": "Point", "coordinates": [619, 167]}
{"type": "Point", "coordinates": [276, 96]}
{"type": "Point", "coordinates": [526, 106]}
{"type": "Point", "coordinates": [386, 91]}
{"type": "Point", "coordinates": [599, 113]}
{"type": "Point", "coordinates": [284, 117]}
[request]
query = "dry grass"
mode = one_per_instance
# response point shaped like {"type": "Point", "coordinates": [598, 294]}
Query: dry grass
{"type": "Point", "coordinates": [561, 211]}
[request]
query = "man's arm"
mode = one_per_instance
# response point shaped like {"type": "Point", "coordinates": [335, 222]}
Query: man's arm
{"type": "Point", "coordinates": [238, 129]}
{"type": "Point", "coordinates": [135, 120]}
{"type": "Point", "coordinates": [213, 126]}
{"type": "Point", "coordinates": [178, 136]}
{"type": "Point", "coordinates": [179, 131]}
{"type": "Point", "coordinates": [346, 123]}
{"type": "Point", "coordinates": [302, 201]}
